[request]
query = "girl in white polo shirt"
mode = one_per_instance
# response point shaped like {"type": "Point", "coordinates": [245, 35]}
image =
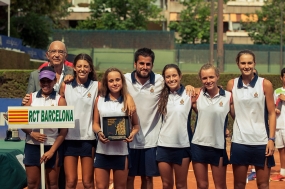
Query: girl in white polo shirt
{"type": "Point", "coordinates": [51, 137]}
{"type": "Point", "coordinates": [208, 145]}
{"type": "Point", "coordinates": [112, 154]}
{"type": "Point", "coordinates": [80, 141]}
{"type": "Point", "coordinates": [173, 151]}
{"type": "Point", "coordinates": [254, 124]}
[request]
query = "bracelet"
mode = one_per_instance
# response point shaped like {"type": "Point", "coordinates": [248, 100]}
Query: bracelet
{"type": "Point", "coordinates": [98, 132]}
{"type": "Point", "coordinates": [273, 139]}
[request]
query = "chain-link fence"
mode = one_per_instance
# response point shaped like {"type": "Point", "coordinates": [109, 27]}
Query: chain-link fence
{"type": "Point", "coordinates": [116, 49]}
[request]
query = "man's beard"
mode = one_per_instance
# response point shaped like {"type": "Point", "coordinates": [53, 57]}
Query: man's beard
{"type": "Point", "coordinates": [139, 75]}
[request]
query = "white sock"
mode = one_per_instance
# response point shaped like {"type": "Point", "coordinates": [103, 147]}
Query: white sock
{"type": "Point", "coordinates": [252, 170]}
{"type": "Point", "coordinates": [282, 171]}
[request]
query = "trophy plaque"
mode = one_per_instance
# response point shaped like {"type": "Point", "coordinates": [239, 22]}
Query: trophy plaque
{"type": "Point", "coordinates": [11, 134]}
{"type": "Point", "coordinates": [116, 127]}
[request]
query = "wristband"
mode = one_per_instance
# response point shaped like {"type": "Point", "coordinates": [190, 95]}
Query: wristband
{"type": "Point", "coordinates": [98, 132]}
{"type": "Point", "coordinates": [273, 139]}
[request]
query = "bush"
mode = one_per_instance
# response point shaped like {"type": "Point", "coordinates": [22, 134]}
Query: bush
{"type": "Point", "coordinates": [14, 84]}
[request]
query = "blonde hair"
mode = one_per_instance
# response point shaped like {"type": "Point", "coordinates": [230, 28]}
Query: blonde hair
{"type": "Point", "coordinates": [209, 66]}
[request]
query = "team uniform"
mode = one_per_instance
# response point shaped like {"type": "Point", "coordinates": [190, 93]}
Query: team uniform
{"type": "Point", "coordinates": [208, 143]}
{"type": "Point", "coordinates": [143, 147]}
{"type": "Point", "coordinates": [113, 154]}
{"type": "Point", "coordinates": [174, 139]}
{"type": "Point", "coordinates": [280, 120]}
{"type": "Point", "coordinates": [80, 140]}
{"type": "Point", "coordinates": [32, 146]}
{"type": "Point", "coordinates": [250, 129]}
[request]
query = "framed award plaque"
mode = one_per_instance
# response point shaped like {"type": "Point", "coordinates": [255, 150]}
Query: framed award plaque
{"type": "Point", "coordinates": [116, 127]}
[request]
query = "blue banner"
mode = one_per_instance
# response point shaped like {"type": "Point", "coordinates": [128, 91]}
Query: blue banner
{"type": "Point", "coordinates": [35, 53]}
{"type": "Point", "coordinates": [10, 42]}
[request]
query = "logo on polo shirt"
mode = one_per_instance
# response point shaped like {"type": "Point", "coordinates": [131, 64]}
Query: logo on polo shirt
{"type": "Point", "coordinates": [255, 95]}
{"type": "Point", "coordinates": [181, 102]}
{"type": "Point", "coordinates": [151, 90]}
{"type": "Point", "coordinates": [89, 95]}
{"type": "Point", "coordinates": [221, 104]}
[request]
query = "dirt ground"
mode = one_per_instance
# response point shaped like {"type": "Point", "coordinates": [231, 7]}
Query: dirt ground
{"type": "Point", "coordinates": [192, 181]}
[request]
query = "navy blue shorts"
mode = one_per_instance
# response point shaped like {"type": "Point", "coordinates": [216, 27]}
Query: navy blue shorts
{"type": "Point", "coordinates": [172, 155]}
{"type": "Point", "coordinates": [209, 155]}
{"type": "Point", "coordinates": [114, 162]}
{"type": "Point", "coordinates": [142, 162]}
{"type": "Point", "coordinates": [32, 156]}
{"type": "Point", "coordinates": [250, 155]}
{"type": "Point", "coordinates": [81, 148]}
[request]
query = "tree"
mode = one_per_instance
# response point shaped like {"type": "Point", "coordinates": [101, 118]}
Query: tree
{"type": "Point", "coordinates": [121, 15]}
{"type": "Point", "coordinates": [267, 28]}
{"type": "Point", "coordinates": [33, 29]}
{"type": "Point", "coordinates": [33, 20]}
{"type": "Point", "coordinates": [53, 9]}
{"type": "Point", "coordinates": [194, 22]}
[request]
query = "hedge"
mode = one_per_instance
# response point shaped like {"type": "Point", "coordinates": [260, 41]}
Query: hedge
{"type": "Point", "coordinates": [13, 84]}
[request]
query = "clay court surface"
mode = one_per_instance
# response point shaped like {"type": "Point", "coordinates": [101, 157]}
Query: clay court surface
{"type": "Point", "coordinates": [192, 181]}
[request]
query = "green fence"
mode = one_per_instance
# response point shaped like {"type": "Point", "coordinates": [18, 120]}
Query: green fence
{"type": "Point", "coordinates": [116, 49]}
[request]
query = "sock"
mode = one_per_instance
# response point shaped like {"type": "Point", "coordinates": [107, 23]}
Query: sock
{"type": "Point", "coordinates": [253, 170]}
{"type": "Point", "coordinates": [282, 171]}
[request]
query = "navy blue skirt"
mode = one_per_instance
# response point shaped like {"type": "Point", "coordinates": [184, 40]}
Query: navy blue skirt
{"type": "Point", "coordinates": [115, 162]}
{"type": "Point", "coordinates": [250, 155]}
{"type": "Point", "coordinates": [172, 155]}
{"type": "Point", "coordinates": [142, 162]}
{"type": "Point", "coordinates": [209, 155]}
{"type": "Point", "coordinates": [81, 148]}
{"type": "Point", "coordinates": [32, 156]}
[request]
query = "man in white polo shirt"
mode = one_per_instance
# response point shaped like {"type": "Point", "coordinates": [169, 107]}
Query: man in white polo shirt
{"type": "Point", "coordinates": [145, 87]}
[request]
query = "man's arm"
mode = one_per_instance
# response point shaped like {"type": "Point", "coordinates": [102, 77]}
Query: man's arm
{"type": "Point", "coordinates": [68, 70]}
{"type": "Point", "coordinates": [68, 74]}
{"type": "Point", "coordinates": [32, 83]}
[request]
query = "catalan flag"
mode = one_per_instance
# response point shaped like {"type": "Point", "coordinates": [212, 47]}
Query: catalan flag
{"type": "Point", "coordinates": [18, 116]}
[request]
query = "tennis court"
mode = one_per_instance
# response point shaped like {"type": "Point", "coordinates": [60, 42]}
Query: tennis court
{"type": "Point", "coordinates": [192, 182]}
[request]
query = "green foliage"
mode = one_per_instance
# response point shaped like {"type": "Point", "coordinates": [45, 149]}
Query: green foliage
{"type": "Point", "coordinates": [267, 29]}
{"type": "Point", "coordinates": [53, 9]}
{"type": "Point", "coordinates": [121, 15]}
{"type": "Point", "coordinates": [14, 83]}
{"type": "Point", "coordinates": [33, 29]}
{"type": "Point", "coordinates": [32, 20]}
{"type": "Point", "coordinates": [195, 22]}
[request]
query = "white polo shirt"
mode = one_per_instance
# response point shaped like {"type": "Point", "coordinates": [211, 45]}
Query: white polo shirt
{"type": "Point", "coordinates": [146, 98]}
{"type": "Point", "coordinates": [280, 118]}
{"type": "Point", "coordinates": [110, 108]}
{"type": "Point", "coordinates": [251, 115]}
{"type": "Point", "coordinates": [39, 100]}
{"type": "Point", "coordinates": [82, 97]}
{"type": "Point", "coordinates": [176, 131]}
{"type": "Point", "coordinates": [212, 119]}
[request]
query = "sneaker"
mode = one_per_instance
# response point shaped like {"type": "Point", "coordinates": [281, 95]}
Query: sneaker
{"type": "Point", "coordinates": [251, 176]}
{"type": "Point", "coordinates": [277, 177]}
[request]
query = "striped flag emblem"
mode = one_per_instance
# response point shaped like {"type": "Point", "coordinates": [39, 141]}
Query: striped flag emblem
{"type": "Point", "coordinates": [18, 116]}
